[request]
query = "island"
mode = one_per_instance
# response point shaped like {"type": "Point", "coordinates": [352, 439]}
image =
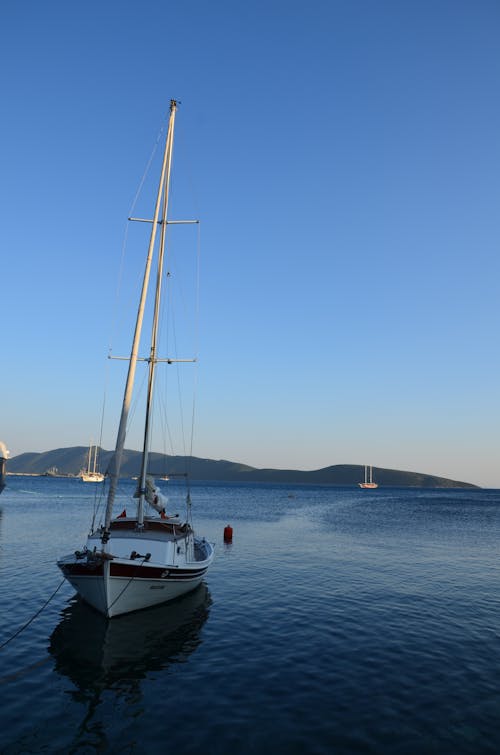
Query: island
{"type": "Point", "coordinates": [69, 461]}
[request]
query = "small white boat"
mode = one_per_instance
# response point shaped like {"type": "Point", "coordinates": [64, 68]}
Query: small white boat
{"type": "Point", "coordinates": [133, 562]}
{"type": "Point", "coordinates": [368, 483]}
{"type": "Point", "coordinates": [91, 474]}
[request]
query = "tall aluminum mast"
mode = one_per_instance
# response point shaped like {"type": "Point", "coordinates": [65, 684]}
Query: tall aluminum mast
{"type": "Point", "coordinates": [163, 188]}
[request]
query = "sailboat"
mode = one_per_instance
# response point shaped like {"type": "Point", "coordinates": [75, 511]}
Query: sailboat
{"type": "Point", "coordinates": [91, 474]}
{"type": "Point", "coordinates": [134, 562]}
{"type": "Point", "coordinates": [368, 483]}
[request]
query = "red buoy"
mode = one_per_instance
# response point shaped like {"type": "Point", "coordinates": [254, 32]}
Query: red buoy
{"type": "Point", "coordinates": [228, 534]}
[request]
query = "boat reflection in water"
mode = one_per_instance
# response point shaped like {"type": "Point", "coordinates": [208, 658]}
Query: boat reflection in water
{"type": "Point", "coordinates": [95, 652]}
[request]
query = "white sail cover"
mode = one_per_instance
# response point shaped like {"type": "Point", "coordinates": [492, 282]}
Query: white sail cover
{"type": "Point", "coordinates": [154, 497]}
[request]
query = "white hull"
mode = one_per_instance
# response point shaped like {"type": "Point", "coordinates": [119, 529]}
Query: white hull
{"type": "Point", "coordinates": [92, 476]}
{"type": "Point", "coordinates": [126, 582]}
{"type": "Point", "coordinates": [113, 596]}
{"type": "Point", "coordinates": [368, 483]}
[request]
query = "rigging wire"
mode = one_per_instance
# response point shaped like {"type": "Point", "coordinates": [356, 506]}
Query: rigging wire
{"type": "Point", "coordinates": [170, 327]}
{"type": "Point", "coordinates": [197, 346]}
{"type": "Point", "coordinates": [115, 317]}
{"type": "Point", "coordinates": [98, 504]}
{"type": "Point", "coordinates": [186, 442]}
{"type": "Point", "coordinates": [125, 235]}
{"type": "Point", "coordinates": [99, 495]}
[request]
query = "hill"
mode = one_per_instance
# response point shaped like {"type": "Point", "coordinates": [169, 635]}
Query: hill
{"type": "Point", "coordinates": [69, 461]}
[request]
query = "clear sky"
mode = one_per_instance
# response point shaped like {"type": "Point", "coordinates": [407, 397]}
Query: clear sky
{"type": "Point", "coordinates": [344, 158]}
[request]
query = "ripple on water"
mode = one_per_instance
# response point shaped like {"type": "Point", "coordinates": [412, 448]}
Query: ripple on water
{"type": "Point", "coordinates": [332, 624]}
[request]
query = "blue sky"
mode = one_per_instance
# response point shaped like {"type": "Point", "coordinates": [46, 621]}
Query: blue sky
{"type": "Point", "coordinates": [344, 159]}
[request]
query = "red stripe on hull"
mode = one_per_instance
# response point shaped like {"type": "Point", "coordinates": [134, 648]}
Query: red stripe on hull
{"type": "Point", "coordinates": [83, 569]}
{"type": "Point", "coordinates": [140, 571]}
{"type": "Point", "coordinates": [135, 571]}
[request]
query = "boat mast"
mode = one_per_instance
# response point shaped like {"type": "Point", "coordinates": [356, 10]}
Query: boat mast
{"type": "Point", "coordinates": [114, 471]}
{"type": "Point", "coordinates": [156, 318]}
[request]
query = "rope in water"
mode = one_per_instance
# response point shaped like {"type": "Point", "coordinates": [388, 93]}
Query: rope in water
{"type": "Point", "coordinates": [6, 642]}
{"type": "Point", "coordinates": [30, 621]}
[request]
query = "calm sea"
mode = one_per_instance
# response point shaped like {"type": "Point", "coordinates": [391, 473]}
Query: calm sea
{"type": "Point", "coordinates": [338, 621]}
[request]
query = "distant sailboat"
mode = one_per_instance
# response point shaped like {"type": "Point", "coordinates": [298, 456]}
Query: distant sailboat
{"type": "Point", "coordinates": [368, 483]}
{"type": "Point", "coordinates": [91, 474]}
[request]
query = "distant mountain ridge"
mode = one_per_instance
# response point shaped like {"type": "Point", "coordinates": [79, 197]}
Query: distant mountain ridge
{"type": "Point", "coordinates": [69, 461]}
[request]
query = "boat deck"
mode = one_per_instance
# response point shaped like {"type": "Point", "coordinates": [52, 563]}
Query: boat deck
{"type": "Point", "coordinates": [150, 525]}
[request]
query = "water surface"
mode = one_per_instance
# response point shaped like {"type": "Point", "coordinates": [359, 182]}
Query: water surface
{"type": "Point", "coordinates": [338, 621]}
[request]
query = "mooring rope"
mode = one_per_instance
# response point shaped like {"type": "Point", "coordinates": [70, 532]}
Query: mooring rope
{"type": "Point", "coordinates": [6, 642]}
{"type": "Point", "coordinates": [30, 621]}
